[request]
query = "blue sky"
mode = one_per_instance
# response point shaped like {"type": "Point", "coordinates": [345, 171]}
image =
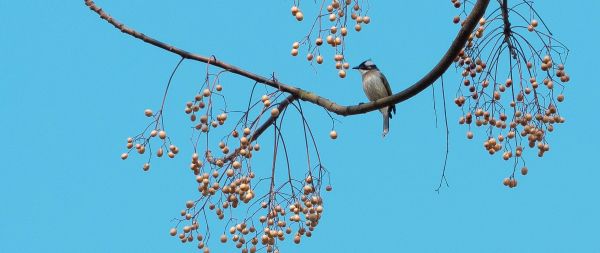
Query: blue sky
{"type": "Point", "coordinates": [72, 88]}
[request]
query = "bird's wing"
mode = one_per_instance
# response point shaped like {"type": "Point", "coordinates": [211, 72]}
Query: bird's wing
{"type": "Point", "coordinates": [392, 109]}
{"type": "Point", "coordinates": [387, 85]}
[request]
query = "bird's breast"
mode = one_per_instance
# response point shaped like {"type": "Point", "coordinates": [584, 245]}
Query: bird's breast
{"type": "Point", "coordinates": [373, 86]}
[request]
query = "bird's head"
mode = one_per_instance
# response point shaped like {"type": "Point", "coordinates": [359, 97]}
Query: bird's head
{"type": "Point", "coordinates": [366, 66]}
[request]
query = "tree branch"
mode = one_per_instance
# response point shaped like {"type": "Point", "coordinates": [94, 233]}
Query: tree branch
{"type": "Point", "coordinates": [427, 80]}
{"type": "Point", "coordinates": [282, 106]}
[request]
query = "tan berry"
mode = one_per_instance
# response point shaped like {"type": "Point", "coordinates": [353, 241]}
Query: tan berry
{"type": "Point", "coordinates": [329, 39]}
{"type": "Point", "coordinates": [332, 17]}
{"type": "Point", "coordinates": [456, 19]}
{"type": "Point", "coordinates": [274, 112]}
{"type": "Point", "coordinates": [357, 27]}
{"type": "Point", "coordinates": [366, 20]}
{"type": "Point", "coordinates": [333, 29]}
{"type": "Point", "coordinates": [189, 204]}
{"type": "Point", "coordinates": [237, 165]}
{"type": "Point", "coordinates": [319, 41]}
{"type": "Point", "coordinates": [148, 113]}
{"type": "Point", "coordinates": [333, 134]}
{"type": "Point", "coordinates": [534, 23]}
{"type": "Point", "coordinates": [309, 57]}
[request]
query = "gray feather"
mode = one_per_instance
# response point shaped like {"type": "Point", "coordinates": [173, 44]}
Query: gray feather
{"type": "Point", "coordinates": [376, 86]}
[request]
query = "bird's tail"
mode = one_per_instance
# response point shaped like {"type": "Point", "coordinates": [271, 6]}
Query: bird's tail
{"type": "Point", "coordinates": [386, 122]}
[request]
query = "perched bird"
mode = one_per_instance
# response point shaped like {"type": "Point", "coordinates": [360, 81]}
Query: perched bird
{"type": "Point", "coordinates": [376, 86]}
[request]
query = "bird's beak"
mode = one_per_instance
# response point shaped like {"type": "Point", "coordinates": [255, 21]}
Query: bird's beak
{"type": "Point", "coordinates": [355, 67]}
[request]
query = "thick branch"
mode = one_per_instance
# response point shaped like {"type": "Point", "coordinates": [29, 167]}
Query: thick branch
{"type": "Point", "coordinates": [441, 67]}
{"type": "Point", "coordinates": [504, 9]}
{"type": "Point", "coordinates": [507, 27]}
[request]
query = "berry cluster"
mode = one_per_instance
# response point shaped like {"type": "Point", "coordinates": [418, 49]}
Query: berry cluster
{"type": "Point", "coordinates": [227, 185]}
{"type": "Point", "coordinates": [142, 141]}
{"type": "Point", "coordinates": [337, 13]}
{"type": "Point", "coordinates": [503, 95]}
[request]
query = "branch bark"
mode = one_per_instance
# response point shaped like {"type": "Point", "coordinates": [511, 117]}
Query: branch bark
{"type": "Point", "coordinates": [427, 80]}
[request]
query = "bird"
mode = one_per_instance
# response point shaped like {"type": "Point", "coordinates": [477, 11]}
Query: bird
{"type": "Point", "coordinates": [376, 86]}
